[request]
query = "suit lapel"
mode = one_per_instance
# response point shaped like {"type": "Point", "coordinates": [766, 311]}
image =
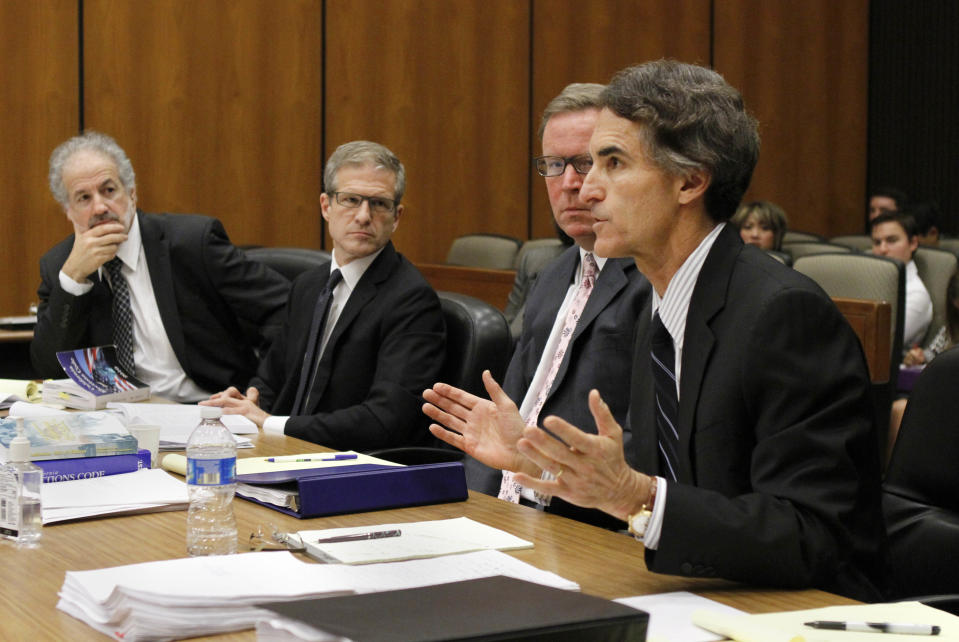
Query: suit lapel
{"type": "Point", "coordinates": [709, 297]}
{"type": "Point", "coordinates": [156, 248]}
{"type": "Point", "coordinates": [363, 293]}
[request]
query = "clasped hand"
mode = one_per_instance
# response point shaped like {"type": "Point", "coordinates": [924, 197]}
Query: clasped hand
{"type": "Point", "coordinates": [234, 403]}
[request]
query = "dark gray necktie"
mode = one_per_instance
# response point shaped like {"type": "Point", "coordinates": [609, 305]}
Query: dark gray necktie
{"type": "Point", "coordinates": [312, 356]}
{"type": "Point", "coordinates": [663, 361]}
{"type": "Point", "coordinates": [122, 316]}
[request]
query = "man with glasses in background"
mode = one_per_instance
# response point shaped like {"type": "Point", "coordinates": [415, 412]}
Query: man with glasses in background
{"type": "Point", "coordinates": [580, 313]}
{"type": "Point", "coordinates": [363, 335]}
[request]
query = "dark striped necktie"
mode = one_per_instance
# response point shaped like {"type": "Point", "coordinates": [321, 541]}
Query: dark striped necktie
{"type": "Point", "coordinates": [312, 357]}
{"type": "Point", "coordinates": [122, 316]}
{"type": "Point", "coordinates": [663, 362]}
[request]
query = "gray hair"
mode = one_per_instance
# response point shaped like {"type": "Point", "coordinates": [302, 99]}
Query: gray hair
{"type": "Point", "coordinates": [88, 141]}
{"type": "Point", "coordinates": [364, 152]}
{"type": "Point", "coordinates": [577, 96]}
{"type": "Point", "coordinates": [691, 119]}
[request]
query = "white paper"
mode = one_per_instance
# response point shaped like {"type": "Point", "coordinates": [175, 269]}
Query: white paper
{"type": "Point", "coordinates": [177, 422]}
{"type": "Point", "coordinates": [144, 489]}
{"type": "Point", "coordinates": [670, 615]}
{"type": "Point", "coordinates": [418, 540]}
{"type": "Point", "coordinates": [27, 409]}
{"type": "Point", "coordinates": [206, 595]}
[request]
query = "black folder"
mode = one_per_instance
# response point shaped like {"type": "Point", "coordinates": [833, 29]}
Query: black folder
{"type": "Point", "coordinates": [491, 608]}
{"type": "Point", "coordinates": [356, 489]}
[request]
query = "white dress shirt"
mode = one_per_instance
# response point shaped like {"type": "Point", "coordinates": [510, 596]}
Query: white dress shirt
{"type": "Point", "coordinates": [156, 363]}
{"type": "Point", "coordinates": [918, 308]}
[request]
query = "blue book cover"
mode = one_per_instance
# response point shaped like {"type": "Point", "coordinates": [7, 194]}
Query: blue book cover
{"type": "Point", "coordinates": [70, 435]}
{"type": "Point", "coordinates": [95, 378]}
{"type": "Point", "coordinates": [56, 470]}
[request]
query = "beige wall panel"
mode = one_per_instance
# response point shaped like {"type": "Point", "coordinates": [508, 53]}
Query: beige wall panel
{"type": "Point", "coordinates": [39, 107]}
{"type": "Point", "coordinates": [588, 42]}
{"type": "Point", "coordinates": [802, 67]}
{"type": "Point", "coordinates": [445, 85]}
{"type": "Point", "coordinates": [218, 105]}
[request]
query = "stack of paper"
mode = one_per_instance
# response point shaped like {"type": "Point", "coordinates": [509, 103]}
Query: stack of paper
{"type": "Point", "coordinates": [416, 540]}
{"type": "Point", "coordinates": [145, 491]}
{"type": "Point", "coordinates": [12, 390]}
{"type": "Point", "coordinates": [208, 595]}
{"type": "Point", "coordinates": [177, 421]}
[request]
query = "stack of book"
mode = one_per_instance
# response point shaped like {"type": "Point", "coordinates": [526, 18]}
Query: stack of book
{"type": "Point", "coordinates": [95, 379]}
{"type": "Point", "coordinates": [77, 445]}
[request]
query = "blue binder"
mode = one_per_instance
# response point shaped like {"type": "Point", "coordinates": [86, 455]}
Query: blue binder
{"type": "Point", "coordinates": [365, 487]}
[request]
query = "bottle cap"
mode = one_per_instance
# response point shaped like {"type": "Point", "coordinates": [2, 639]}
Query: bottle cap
{"type": "Point", "coordinates": [210, 412]}
{"type": "Point", "coordinates": [20, 445]}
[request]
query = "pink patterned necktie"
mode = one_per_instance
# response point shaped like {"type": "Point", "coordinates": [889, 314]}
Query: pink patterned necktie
{"type": "Point", "coordinates": [509, 489]}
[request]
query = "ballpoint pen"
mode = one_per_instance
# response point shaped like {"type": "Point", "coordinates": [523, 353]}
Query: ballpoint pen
{"type": "Point", "coordinates": [356, 537]}
{"type": "Point", "coordinates": [877, 627]}
{"type": "Point", "coordinates": [294, 460]}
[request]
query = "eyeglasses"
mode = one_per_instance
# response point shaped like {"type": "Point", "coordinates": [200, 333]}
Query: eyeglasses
{"type": "Point", "coordinates": [270, 538]}
{"type": "Point", "coordinates": [378, 204]}
{"type": "Point", "coordinates": [556, 165]}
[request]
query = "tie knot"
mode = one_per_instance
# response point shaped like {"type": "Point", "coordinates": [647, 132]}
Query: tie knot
{"type": "Point", "coordinates": [335, 277]}
{"type": "Point", "coordinates": [589, 267]}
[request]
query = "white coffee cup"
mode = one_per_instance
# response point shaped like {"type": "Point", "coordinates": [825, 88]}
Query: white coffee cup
{"type": "Point", "coordinates": [147, 436]}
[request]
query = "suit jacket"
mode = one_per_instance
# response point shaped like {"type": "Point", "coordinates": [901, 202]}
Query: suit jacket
{"type": "Point", "coordinates": [387, 346]}
{"type": "Point", "coordinates": [216, 305]}
{"type": "Point", "coordinates": [598, 355]}
{"type": "Point", "coordinates": [779, 466]}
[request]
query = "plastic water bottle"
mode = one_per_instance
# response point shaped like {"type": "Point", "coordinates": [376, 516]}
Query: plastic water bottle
{"type": "Point", "coordinates": [211, 478]}
{"type": "Point", "coordinates": [20, 518]}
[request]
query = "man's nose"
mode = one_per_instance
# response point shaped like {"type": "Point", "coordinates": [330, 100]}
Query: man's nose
{"type": "Point", "coordinates": [363, 212]}
{"type": "Point", "coordinates": [572, 180]}
{"type": "Point", "coordinates": [99, 204]}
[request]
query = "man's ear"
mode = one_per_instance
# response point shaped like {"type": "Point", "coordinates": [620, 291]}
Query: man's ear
{"type": "Point", "coordinates": [325, 206]}
{"type": "Point", "coordinates": [694, 186]}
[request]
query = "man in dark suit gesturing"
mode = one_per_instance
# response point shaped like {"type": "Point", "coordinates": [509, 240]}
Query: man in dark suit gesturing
{"type": "Point", "coordinates": [183, 305]}
{"type": "Point", "coordinates": [363, 335]}
{"type": "Point", "coordinates": [754, 452]}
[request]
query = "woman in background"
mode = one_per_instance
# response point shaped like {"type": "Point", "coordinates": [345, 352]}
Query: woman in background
{"type": "Point", "coordinates": [762, 224]}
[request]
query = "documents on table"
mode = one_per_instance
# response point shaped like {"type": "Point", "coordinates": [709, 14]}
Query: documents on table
{"type": "Point", "coordinates": [12, 390]}
{"type": "Point", "coordinates": [209, 595]}
{"type": "Point", "coordinates": [177, 421]}
{"type": "Point", "coordinates": [670, 615]}
{"type": "Point", "coordinates": [416, 540]}
{"type": "Point", "coordinates": [144, 491]}
{"type": "Point", "coordinates": [790, 626]}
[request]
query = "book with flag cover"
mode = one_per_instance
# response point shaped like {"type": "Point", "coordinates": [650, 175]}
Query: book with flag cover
{"type": "Point", "coordinates": [95, 379]}
{"type": "Point", "coordinates": [70, 435]}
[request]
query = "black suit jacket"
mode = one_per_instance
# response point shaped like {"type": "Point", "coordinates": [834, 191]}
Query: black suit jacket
{"type": "Point", "coordinates": [599, 354]}
{"type": "Point", "coordinates": [216, 305]}
{"type": "Point", "coordinates": [779, 472]}
{"type": "Point", "coordinates": [387, 346]}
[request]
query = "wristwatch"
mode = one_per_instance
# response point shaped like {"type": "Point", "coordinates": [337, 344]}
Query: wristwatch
{"type": "Point", "coordinates": [639, 522]}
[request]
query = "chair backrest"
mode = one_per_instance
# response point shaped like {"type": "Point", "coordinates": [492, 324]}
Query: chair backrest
{"type": "Point", "coordinates": [491, 251]}
{"type": "Point", "coordinates": [782, 257]}
{"type": "Point", "coordinates": [289, 261]}
{"type": "Point", "coordinates": [852, 275]}
{"type": "Point", "coordinates": [477, 339]}
{"type": "Point", "coordinates": [799, 249]}
{"type": "Point", "coordinates": [861, 242]}
{"type": "Point", "coordinates": [935, 268]}
{"type": "Point", "coordinates": [871, 320]}
{"type": "Point", "coordinates": [790, 236]}
{"type": "Point", "coordinates": [920, 501]}
{"type": "Point", "coordinates": [950, 244]}
{"type": "Point", "coordinates": [545, 249]}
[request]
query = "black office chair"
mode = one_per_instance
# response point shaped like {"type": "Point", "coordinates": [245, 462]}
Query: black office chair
{"type": "Point", "coordinates": [289, 261]}
{"type": "Point", "coordinates": [920, 498]}
{"type": "Point", "coordinates": [477, 339]}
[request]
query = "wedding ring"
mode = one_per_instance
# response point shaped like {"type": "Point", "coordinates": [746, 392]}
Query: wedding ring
{"type": "Point", "coordinates": [559, 474]}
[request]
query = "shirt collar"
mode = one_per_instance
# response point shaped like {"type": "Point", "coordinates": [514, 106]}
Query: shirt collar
{"type": "Point", "coordinates": [674, 305]}
{"type": "Point", "coordinates": [354, 270]}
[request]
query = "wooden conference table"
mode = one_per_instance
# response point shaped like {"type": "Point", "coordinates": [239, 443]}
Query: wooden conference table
{"type": "Point", "coordinates": [602, 562]}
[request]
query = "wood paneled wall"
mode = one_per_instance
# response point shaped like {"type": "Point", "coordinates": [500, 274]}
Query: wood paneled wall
{"type": "Point", "coordinates": [230, 107]}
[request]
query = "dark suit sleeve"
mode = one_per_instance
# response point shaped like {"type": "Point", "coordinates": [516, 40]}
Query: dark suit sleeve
{"type": "Point", "coordinates": [63, 319]}
{"type": "Point", "coordinates": [411, 347]}
{"type": "Point", "coordinates": [792, 411]}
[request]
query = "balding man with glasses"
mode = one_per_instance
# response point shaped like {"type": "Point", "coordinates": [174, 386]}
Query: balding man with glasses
{"type": "Point", "coordinates": [580, 312]}
{"type": "Point", "coordinates": [363, 335]}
